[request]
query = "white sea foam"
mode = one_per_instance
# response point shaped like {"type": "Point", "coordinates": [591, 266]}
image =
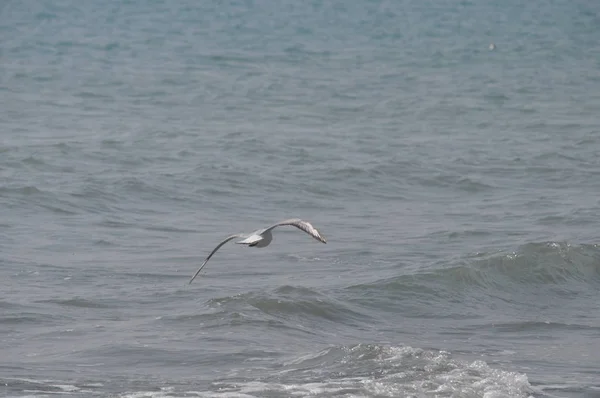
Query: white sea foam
{"type": "Point", "coordinates": [373, 371]}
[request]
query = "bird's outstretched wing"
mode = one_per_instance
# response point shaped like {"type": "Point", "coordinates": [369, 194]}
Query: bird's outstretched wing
{"type": "Point", "coordinates": [302, 225]}
{"type": "Point", "coordinates": [213, 252]}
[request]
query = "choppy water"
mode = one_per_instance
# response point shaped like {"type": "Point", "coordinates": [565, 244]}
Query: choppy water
{"type": "Point", "coordinates": [458, 188]}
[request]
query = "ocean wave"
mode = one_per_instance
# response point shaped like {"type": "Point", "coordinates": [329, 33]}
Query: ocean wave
{"type": "Point", "coordinates": [230, 320]}
{"type": "Point", "coordinates": [80, 302]}
{"type": "Point", "coordinates": [365, 370]}
{"type": "Point", "coordinates": [547, 263]}
{"type": "Point", "coordinates": [31, 195]}
{"type": "Point", "coordinates": [40, 387]}
{"type": "Point", "coordinates": [26, 190]}
{"type": "Point", "coordinates": [32, 317]}
{"type": "Point", "coordinates": [525, 283]}
{"type": "Point", "coordinates": [372, 370]}
{"type": "Point", "coordinates": [292, 303]}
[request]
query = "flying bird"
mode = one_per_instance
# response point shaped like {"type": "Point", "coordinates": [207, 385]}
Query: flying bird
{"type": "Point", "coordinates": [262, 237]}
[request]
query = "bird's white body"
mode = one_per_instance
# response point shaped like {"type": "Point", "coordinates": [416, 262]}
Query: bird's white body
{"type": "Point", "coordinates": [259, 238]}
{"type": "Point", "coordinates": [263, 237]}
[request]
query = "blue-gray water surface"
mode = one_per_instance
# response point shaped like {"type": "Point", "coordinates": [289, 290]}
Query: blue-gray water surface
{"type": "Point", "coordinates": [457, 184]}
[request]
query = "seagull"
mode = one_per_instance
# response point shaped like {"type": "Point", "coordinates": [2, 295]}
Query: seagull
{"type": "Point", "coordinates": [262, 237]}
